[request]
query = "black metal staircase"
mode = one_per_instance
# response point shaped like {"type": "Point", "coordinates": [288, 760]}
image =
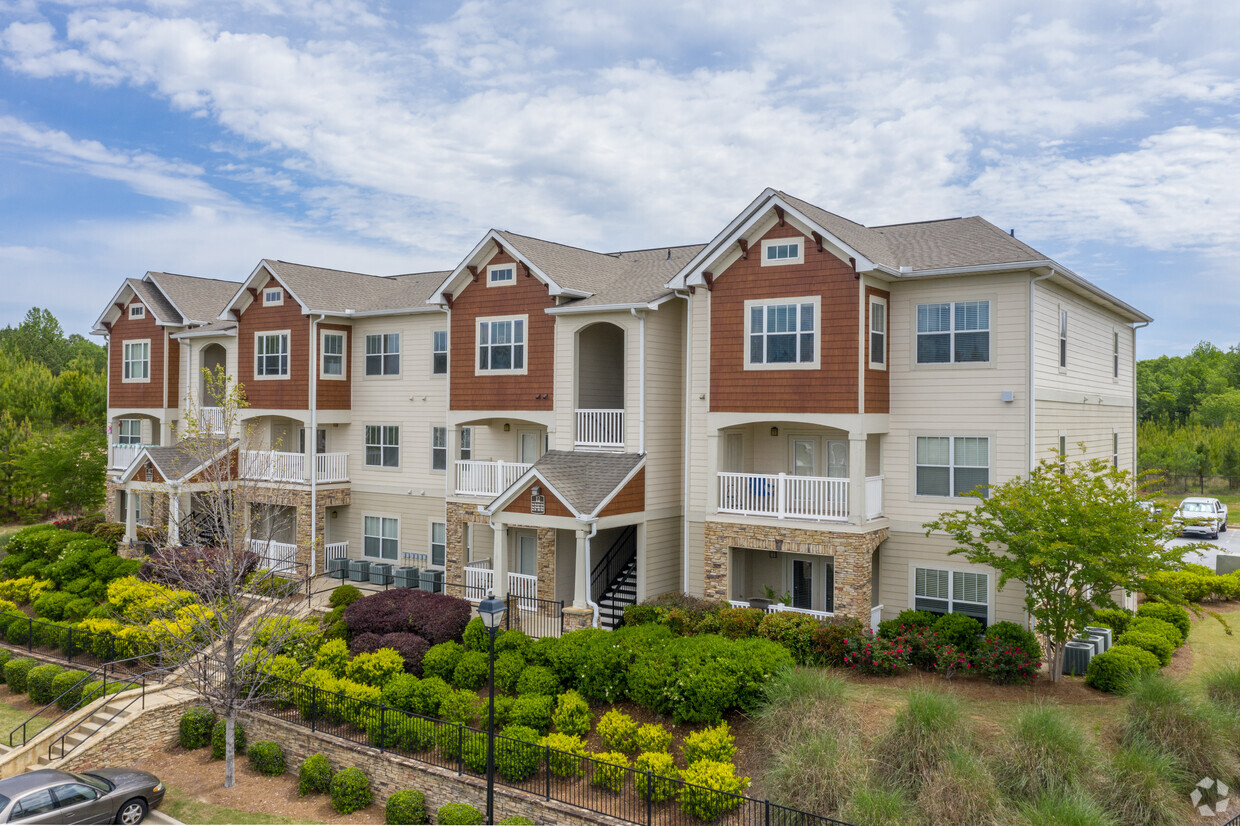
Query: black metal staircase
{"type": "Point", "coordinates": [613, 582]}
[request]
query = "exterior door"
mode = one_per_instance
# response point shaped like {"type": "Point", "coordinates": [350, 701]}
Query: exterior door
{"type": "Point", "coordinates": [527, 447]}
{"type": "Point", "coordinates": [802, 589]}
{"type": "Point", "coordinates": [802, 457]}
{"type": "Point", "coordinates": [527, 554]}
{"type": "Point", "coordinates": [837, 458]}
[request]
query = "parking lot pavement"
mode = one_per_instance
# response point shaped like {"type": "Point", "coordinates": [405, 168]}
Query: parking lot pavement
{"type": "Point", "coordinates": [1228, 543]}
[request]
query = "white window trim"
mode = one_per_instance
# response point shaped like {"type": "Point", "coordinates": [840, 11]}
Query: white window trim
{"type": "Point", "coordinates": [1061, 339]}
{"type": "Point", "coordinates": [799, 365]}
{"type": "Point", "coordinates": [880, 301]}
{"type": "Point", "coordinates": [268, 301]}
{"type": "Point", "coordinates": [525, 362]}
{"type": "Point", "coordinates": [344, 355]}
{"type": "Point", "coordinates": [1115, 348]}
{"type": "Point", "coordinates": [400, 447]}
{"type": "Point", "coordinates": [119, 434]}
{"type": "Point", "coordinates": [141, 311]}
{"type": "Point", "coordinates": [461, 441]}
{"type": "Point", "coordinates": [951, 363]}
{"type": "Point", "coordinates": [939, 565]}
{"type": "Point", "coordinates": [447, 352]}
{"type": "Point", "coordinates": [493, 268]}
{"type": "Point", "coordinates": [128, 379]}
{"type": "Point", "coordinates": [775, 242]}
{"type": "Point", "coordinates": [288, 334]}
{"type": "Point", "coordinates": [381, 516]}
{"type": "Point", "coordinates": [1115, 448]}
{"type": "Point", "coordinates": [447, 448]}
{"type": "Point", "coordinates": [951, 475]}
{"type": "Point", "coordinates": [399, 352]}
{"type": "Point", "coordinates": [430, 544]}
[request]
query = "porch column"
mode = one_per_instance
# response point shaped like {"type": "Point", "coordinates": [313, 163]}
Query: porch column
{"type": "Point", "coordinates": [174, 518]}
{"type": "Point", "coordinates": [581, 577]}
{"type": "Point", "coordinates": [131, 517]}
{"type": "Point", "coordinates": [856, 478]}
{"type": "Point", "coordinates": [454, 453]}
{"type": "Point", "coordinates": [499, 561]}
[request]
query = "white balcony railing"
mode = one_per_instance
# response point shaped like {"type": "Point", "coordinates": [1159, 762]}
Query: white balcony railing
{"type": "Point", "coordinates": [123, 455]}
{"type": "Point", "coordinates": [876, 616]}
{"type": "Point", "coordinates": [335, 550]}
{"type": "Point", "coordinates": [274, 466]}
{"type": "Point", "coordinates": [873, 497]}
{"type": "Point", "coordinates": [776, 607]}
{"type": "Point", "coordinates": [278, 557]}
{"type": "Point", "coordinates": [783, 496]}
{"type": "Point", "coordinates": [212, 420]}
{"type": "Point", "coordinates": [600, 428]}
{"type": "Point", "coordinates": [478, 478]}
{"type": "Point", "coordinates": [479, 582]}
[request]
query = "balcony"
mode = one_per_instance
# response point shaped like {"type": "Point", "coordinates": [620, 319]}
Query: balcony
{"type": "Point", "coordinates": [123, 455]}
{"type": "Point", "coordinates": [211, 420]}
{"type": "Point", "coordinates": [600, 429]}
{"type": "Point", "coordinates": [480, 580]}
{"type": "Point", "coordinates": [478, 478]}
{"type": "Point", "coordinates": [813, 498]}
{"type": "Point", "coordinates": [273, 466]}
{"type": "Point", "coordinates": [277, 557]}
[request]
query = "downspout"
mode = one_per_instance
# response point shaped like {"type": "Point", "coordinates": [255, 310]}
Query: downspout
{"type": "Point", "coordinates": [641, 380]}
{"type": "Point", "coordinates": [313, 440]}
{"type": "Point", "coordinates": [1032, 434]}
{"type": "Point", "coordinates": [593, 523]}
{"type": "Point", "coordinates": [684, 437]}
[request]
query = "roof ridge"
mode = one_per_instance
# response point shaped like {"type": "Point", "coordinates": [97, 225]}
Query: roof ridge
{"type": "Point", "coordinates": [918, 223]}
{"type": "Point", "coordinates": [555, 243]}
{"type": "Point", "coordinates": [329, 269]}
{"type": "Point", "coordinates": [829, 212]}
{"type": "Point", "coordinates": [658, 247]}
{"type": "Point", "coordinates": [195, 277]}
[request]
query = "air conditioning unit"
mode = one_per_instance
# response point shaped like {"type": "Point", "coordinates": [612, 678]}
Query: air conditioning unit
{"type": "Point", "coordinates": [338, 568]}
{"type": "Point", "coordinates": [380, 573]}
{"type": "Point", "coordinates": [359, 570]}
{"type": "Point", "coordinates": [405, 576]}
{"type": "Point", "coordinates": [1076, 657]}
{"type": "Point", "coordinates": [1105, 633]}
{"type": "Point", "coordinates": [431, 581]}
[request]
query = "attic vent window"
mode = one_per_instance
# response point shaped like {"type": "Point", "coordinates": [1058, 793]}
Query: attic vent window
{"type": "Point", "coordinates": [273, 298]}
{"type": "Point", "coordinates": [137, 311]}
{"type": "Point", "coordinates": [501, 274]}
{"type": "Point", "coordinates": [780, 251]}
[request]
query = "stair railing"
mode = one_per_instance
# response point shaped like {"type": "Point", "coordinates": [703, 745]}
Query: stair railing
{"type": "Point", "coordinates": [100, 670]}
{"type": "Point", "coordinates": [60, 741]}
{"type": "Point", "coordinates": [612, 563]}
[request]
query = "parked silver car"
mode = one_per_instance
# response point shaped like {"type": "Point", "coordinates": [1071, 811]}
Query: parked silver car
{"type": "Point", "coordinates": [98, 796]}
{"type": "Point", "coordinates": [1201, 514]}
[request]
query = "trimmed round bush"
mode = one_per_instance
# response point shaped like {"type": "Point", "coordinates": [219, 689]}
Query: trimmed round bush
{"type": "Point", "coordinates": [1015, 636]}
{"type": "Point", "coordinates": [608, 770]}
{"type": "Point", "coordinates": [5, 656]}
{"type": "Point", "coordinates": [194, 731]}
{"type": "Point", "coordinates": [350, 790]}
{"type": "Point", "coordinates": [67, 688]}
{"type": "Point", "coordinates": [39, 683]}
{"type": "Point", "coordinates": [906, 620]}
{"type": "Point", "coordinates": [1155, 643]}
{"type": "Point", "coordinates": [572, 714]}
{"type": "Point", "coordinates": [517, 755]}
{"type": "Point", "coordinates": [266, 757]}
{"type": "Point", "coordinates": [428, 695]}
{"type": "Point", "coordinates": [659, 784]}
{"type": "Point", "coordinates": [1116, 619]}
{"type": "Point", "coordinates": [405, 808]}
{"type": "Point", "coordinates": [441, 660]}
{"type": "Point", "coordinates": [1153, 625]}
{"type": "Point", "coordinates": [537, 679]}
{"type": "Point", "coordinates": [1116, 668]}
{"type": "Point", "coordinates": [314, 775]}
{"type": "Point", "coordinates": [508, 668]}
{"type": "Point", "coordinates": [533, 711]}
{"type": "Point", "coordinates": [700, 796]}
{"type": "Point", "coordinates": [958, 630]}
{"type": "Point", "coordinates": [565, 755]}
{"type": "Point", "coordinates": [514, 640]}
{"type": "Point", "coordinates": [51, 605]}
{"type": "Point", "coordinates": [618, 731]}
{"type": "Point", "coordinates": [1177, 615]}
{"type": "Point", "coordinates": [652, 737]}
{"type": "Point", "coordinates": [830, 639]}
{"type": "Point", "coordinates": [344, 596]}
{"type": "Point", "coordinates": [461, 814]}
{"type": "Point", "coordinates": [471, 671]}
{"type": "Point", "coordinates": [714, 744]}
{"type": "Point", "coordinates": [218, 735]}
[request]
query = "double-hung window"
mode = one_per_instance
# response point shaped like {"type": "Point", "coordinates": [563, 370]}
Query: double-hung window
{"type": "Point", "coordinates": [878, 333]}
{"type": "Point", "coordinates": [439, 543]}
{"type": "Point", "coordinates": [136, 364]}
{"type": "Point", "coordinates": [501, 345]}
{"type": "Point", "coordinates": [383, 354]}
{"type": "Point", "coordinates": [467, 443]}
{"type": "Point", "coordinates": [1063, 338]}
{"type": "Point", "coordinates": [1115, 355]}
{"type": "Point", "coordinates": [129, 431]}
{"type": "Point", "coordinates": [439, 448]}
{"type": "Point", "coordinates": [380, 537]}
{"type": "Point", "coordinates": [439, 351]}
{"type": "Point", "coordinates": [382, 446]}
{"type": "Point", "coordinates": [333, 355]}
{"type": "Point", "coordinates": [782, 332]}
{"type": "Point", "coordinates": [953, 332]}
{"type": "Point", "coordinates": [271, 355]}
{"type": "Point", "coordinates": [1115, 448]}
{"type": "Point", "coordinates": [952, 465]}
{"type": "Point", "coordinates": [952, 592]}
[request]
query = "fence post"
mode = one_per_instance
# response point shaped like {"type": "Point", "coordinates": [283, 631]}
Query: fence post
{"type": "Point", "coordinates": [460, 748]}
{"type": "Point", "coordinates": [111, 647]}
{"type": "Point", "coordinates": [649, 798]}
{"type": "Point", "coordinates": [382, 730]}
{"type": "Point", "coordinates": [766, 805]}
{"type": "Point", "coordinates": [547, 767]}
{"type": "Point", "coordinates": [70, 643]}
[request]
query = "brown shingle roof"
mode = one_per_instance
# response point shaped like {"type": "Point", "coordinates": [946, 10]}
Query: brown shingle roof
{"type": "Point", "coordinates": [583, 479]}
{"type": "Point", "coordinates": [154, 299]}
{"type": "Point", "coordinates": [200, 299]}
{"type": "Point", "coordinates": [337, 291]}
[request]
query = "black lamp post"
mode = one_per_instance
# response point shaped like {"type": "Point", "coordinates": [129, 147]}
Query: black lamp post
{"type": "Point", "coordinates": [491, 610]}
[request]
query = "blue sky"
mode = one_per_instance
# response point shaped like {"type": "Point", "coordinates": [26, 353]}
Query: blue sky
{"type": "Point", "coordinates": [199, 137]}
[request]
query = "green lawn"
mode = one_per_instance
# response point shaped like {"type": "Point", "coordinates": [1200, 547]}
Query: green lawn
{"type": "Point", "coordinates": [11, 717]}
{"type": "Point", "coordinates": [1212, 647]}
{"type": "Point", "coordinates": [186, 809]}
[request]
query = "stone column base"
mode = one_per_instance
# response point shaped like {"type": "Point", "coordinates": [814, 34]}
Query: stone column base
{"type": "Point", "coordinates": [578, 618]}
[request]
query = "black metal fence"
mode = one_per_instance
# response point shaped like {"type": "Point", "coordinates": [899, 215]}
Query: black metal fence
{"type": "Point", "coordinates": [619, 791]}
{"type": "Point", "coordinates": [63, 642]}
{"type": "Point", "coordinates": [1154, 482]}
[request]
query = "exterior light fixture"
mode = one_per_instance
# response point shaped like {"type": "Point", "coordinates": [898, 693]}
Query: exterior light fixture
{"type": "Point", "coordinates": [774, 431]}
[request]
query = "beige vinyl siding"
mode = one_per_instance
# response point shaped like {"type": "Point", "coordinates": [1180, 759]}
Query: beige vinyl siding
{"type": "Point", "coordinates": [414, 512]}
{"type": "Point", "coordinates": [698, 384]}
{"type": "Point", "coordinates": [1092, 424]}
{"type": "Point", "coordinates": [697, 542]}
{"type": "Point", "coordinates": [955, 400]}
{"type": "Point", "coordinates": [661, 570]}
{"type": "Point", "coordinates": [905, 550]}
{"type": "Point", "coordinates": [665, 397]}
{"type": "Point", "coordinates": [1091, 332]}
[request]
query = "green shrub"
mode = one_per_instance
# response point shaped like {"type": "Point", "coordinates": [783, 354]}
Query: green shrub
{"type": "Point", "coordinates": [1116, 619]}
{"type": "Point", "coordinates": [405, 808]}
{"type": "Point", "coordinates": [332, 657]}
{"type": "Point", "coordinates": [734, 623]}
{"type": "Point", "coordinates": [1114, 669]}
{"type": "Point", "coordinates": [503, 710]}
{"type": "Point", "coordinates": [793, 631]}
{"type": "Point", "coordinates": [5, 656]}
{"type": "Point", "coordinates": [959, 630]}
{"type": "Point", "coordinates": [516, 820]}
{"type": "Point", "coordinates": [77, 609]}
{"type": "Point", "coordinates": [566, 753]}
{"type": "Point", "coordinates": [475, 636]}
{"type": "Point", "coordinates": [266, 757]}
{"type": "Point", "coordinates": [441, 660]}
{"type": "Point", "coordinates": [17, 631]}
{"type": "Point", "coordinates": [906, 620]}
{"type": "Point", "coordinates": [350, 790]}
{"type": "Point", "coordinates": [51, 604]}
{"type": "Point", "coordinates": [572, 714]}
{"type": "Point", "coordinates": [532, 711]}
{"type": "Point", "coordinates": [460, 814]}
{"type": "Point", "coordinates": [1177, 615]}
{"type": "Point", "coordinates": [711, 789]}
{"type": "Point", "coordinates": [1156, 644]}
{"type": "Point", "coordinates": [608, 770]}
{"type": "Point", "coordinates": [1140, 786]}
{"type": "Point", "coordinates": [39, 683]}
{"type": "Point", "coordinates": [375, 669]}
{"type": "Point", "coordinates": [653, 737]}
{"type": "Point", "coordinates": [471, 670]}
{"type": "Point", "coordinates": [508, 668]}
{"type": "Point", "coordinates": [618, 731]}
{"type": "Point", "coordinates": [344, 596]}
{"type": "Point", "coordinates": [428, 695]}
{"type": "Point", "coordinates": [218, 736]}
{"type": "Point", "coordinates": [1015, 636]}
{"type": "Point", "coordinates": [715, 744]}
{"type": "Point", "coordinates": [517, 753]}
{"type": "Point", "coordinates": [659, 784]}
{"type": "Point", "coordinates": [460, 706]}
{"type": "Point", "coordinates": [831, 637]}
{"type": "Point", "coordinates": [514, 640]}
{"type": "Point", "coordinates": [536, 679]}
{"type": "Point", "coordinates": [1153, 625]}
{"type": "Point", "coordinates": [1162, 713]}
{"type": "Point", "coordinates": [314, 775]}
{"type": "Point", "coordinates": [398, 692]}
{"type": "Point", "coordinates": [67, 688]}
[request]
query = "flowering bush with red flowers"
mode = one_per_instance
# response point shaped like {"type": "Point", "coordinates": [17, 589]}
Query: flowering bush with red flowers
{"type": "Point", "coordinates": [1003, 663]}
{"type": "Point", "coordinates": [922, 645]}
{"type": "Point", "coordinates": [874, 655]}
{"type": "Point", "coordinates": [950, 661]}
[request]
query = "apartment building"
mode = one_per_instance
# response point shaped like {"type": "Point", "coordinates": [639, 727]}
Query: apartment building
{"type": "Point", "coordinates": [773, 413]}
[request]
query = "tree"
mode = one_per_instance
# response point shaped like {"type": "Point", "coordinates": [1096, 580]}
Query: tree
{"type": "Point", "coordinates": [243, 589]}
{"type": "Point", "coordinates": [68, 466]}
{"type": "Point", "coordinates": [40, 339]}
{"type": "Point", "coordinates": [1073, 538]}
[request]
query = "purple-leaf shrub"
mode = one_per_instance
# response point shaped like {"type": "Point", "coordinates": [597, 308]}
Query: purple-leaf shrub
{"type": "Point", "coordinates": [365, 643]}
{"type": "Point", "coordinates": [434, 617]}
{"type": "Point", "coordinates": [438, 617]}
{"type": "Point", "coordinates": [411, 648]}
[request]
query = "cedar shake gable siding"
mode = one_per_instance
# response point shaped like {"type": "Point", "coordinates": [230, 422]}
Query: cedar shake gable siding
{"type": "Point", "coordinates": [877, 386]}
{"type": "Point", "coordinates": [631, 499]}
{"type": "Point", "coordinates": [291, 393]}
{"type": "Point", "coordinates": [829, 388]}
{"type": "Point", "coordinates": [521, 504]}
{"type": "Point", "coordinates": [136, 394]}
{"type": "Point", "coordinates": [503, 391]}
